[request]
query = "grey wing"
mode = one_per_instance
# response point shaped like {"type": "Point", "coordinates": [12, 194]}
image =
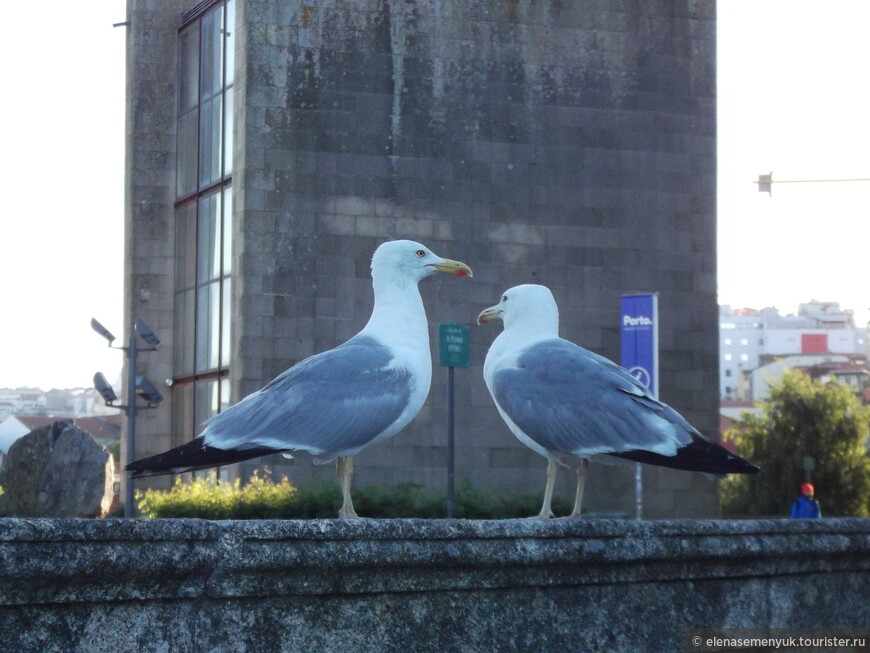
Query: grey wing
{"type": "Point", "coordinates": [571, 400]}
{"type": "Point", "coordinates": [334, 401]}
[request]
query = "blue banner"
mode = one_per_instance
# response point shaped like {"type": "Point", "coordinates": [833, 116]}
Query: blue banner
{"type": "Point", "coordinates": [639, 337]}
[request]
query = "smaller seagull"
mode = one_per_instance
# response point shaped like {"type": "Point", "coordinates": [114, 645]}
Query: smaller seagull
{"type": "Point", "coordinates": [561, 400]}
{"type": "Point", "coordinates": [335, 403]}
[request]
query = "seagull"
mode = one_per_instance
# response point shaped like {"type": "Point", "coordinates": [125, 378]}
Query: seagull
{"type": "Point", "coordinates": [335, 403]}
{"type": "Point", "coordinates": [564, 401]}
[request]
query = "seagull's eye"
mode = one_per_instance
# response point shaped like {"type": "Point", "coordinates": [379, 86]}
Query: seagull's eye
{"type": "Point", "coordinates": [504, 298]}
{"type": "Point", "coordinates": [420, 253]}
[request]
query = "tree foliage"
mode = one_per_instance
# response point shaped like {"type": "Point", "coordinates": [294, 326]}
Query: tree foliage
{"type": "Point", "coordinates": [803, 418]}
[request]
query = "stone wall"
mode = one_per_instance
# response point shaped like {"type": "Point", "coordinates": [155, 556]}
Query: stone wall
{"type": "Point", "coordinates": [415, 585]}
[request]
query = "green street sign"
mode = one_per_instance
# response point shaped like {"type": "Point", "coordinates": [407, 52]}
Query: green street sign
{"type": "Point", "coordinates": [454, 345]}
{"type": "Point", "coordinates": [809, 463]}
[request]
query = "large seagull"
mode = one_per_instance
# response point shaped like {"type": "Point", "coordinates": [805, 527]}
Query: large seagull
{"type": "Point", "coordinates": [561, 400]}
{"type": "Point", "coordinates": [335, 403]}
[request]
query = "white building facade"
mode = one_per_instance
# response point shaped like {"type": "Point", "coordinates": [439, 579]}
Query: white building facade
{"type": "Point", "coordinates": [821, 334]}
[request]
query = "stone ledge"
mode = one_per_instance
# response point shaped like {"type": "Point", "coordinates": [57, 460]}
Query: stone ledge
{"type": "Point", "coordinates": [442, 585]}
{"type": "Point", "coordinates": [64, 561]}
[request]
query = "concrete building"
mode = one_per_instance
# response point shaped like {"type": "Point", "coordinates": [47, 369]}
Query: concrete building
{"type": "Point", "coordinates": [35, 402]}
{"type": "Point", "coordinates": [273, 145]}
{"type": "Point", "coordinates": [757, 346]}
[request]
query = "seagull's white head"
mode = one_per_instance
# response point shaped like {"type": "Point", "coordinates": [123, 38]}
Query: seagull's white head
{"type": "Point", "coordinates": [529, 306]}
{"type": "Point", "coordinates": [406, 259]}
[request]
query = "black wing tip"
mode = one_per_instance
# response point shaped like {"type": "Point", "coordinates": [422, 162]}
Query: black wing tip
{"type": "Point", "coordinates": [192, 456]}
{"type": "Point", "coordinates": [699, 455]}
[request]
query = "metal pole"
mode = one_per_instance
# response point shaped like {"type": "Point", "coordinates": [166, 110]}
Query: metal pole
{"type": "Point", "coordinates": [129, 504]}
{"type": "Point", "coordinates": [638, 491]}
{"type": "Point", "coordinates": [450, 450]}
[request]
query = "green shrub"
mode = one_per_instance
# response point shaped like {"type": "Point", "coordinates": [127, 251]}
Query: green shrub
{"type": "Point", "coordinates": [261, 498]}
{"type": "Point", "coordinates": [207, 498]}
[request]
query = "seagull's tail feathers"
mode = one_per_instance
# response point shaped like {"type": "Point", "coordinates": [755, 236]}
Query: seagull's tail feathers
{"type": "Point", "coordinates": [699, 455]}
{"type": "Point", "coordinates": [192, 456]}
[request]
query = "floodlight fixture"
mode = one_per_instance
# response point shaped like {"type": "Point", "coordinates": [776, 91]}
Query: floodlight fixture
{"type": "Point", "coordinates": [106, 391]}
{"type": "Point", "coordinates": [146, 333]}
{"type": "Point", "coordinates": [103, 331]}
{"type": "Point", "coordinates": [135, 387]}
{"type": "Point", "coordinates": [146, 390]}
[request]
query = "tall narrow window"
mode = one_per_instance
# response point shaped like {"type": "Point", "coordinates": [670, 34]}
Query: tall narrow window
{"type": "Point", "coordinates": [203, 218]}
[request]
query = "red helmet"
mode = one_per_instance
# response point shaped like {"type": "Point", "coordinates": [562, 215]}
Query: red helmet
{"type": "Point", "coordinates": [807, 488]}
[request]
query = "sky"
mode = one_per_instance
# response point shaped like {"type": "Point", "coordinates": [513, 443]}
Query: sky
{"type": "Point", "coordinates": [793, 99]}
{"type": "Point", "coordinates": [62, 232]}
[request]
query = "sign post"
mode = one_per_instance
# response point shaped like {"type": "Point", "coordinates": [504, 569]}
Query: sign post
{"type": "Point", "coordinates": [639, 338]}
{"type": "Point", "coordinates": [454, 348]}
{"type": "Point", "coordinates": [809, 467]}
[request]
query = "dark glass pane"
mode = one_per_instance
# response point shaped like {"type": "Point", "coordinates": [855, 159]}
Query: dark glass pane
{"type": "Point", "coordinates": [230, 49]}
{"type": "Point", "coordinates": [207, 327]}
{"type": "Point", "coordinates": [227, 244]}
{"type": "Point", "coordinates": [211, 69]}
{"type": "Point", "coordinates": [187, 154]}
{"type": "Point", "coordinates": [228, 133]}
{"type": "Point", "coordinates": [208, 239]}
{"type": "Point", "coordinates": [183, 334]}
{"type": "Point", "coordinates": [205, 402]}
{"type": "Point", "coordinates": [188, 55]}
{"type": "Point", "coordinates": [225, 394]}
{"type": "Point", "coordinates": [210, 141]}
{"type": "Point", "coordinates": [185, 247]}
{"type": "Point", "coordinates": [182, 414]}
{"type": "Point", "coordinates": [226, 304]}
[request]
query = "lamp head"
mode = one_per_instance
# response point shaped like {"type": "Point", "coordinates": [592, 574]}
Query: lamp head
{"type": "Point", "coordinates": [106, 391]}
{"type": "Point", "coordinates": [103, 331]}
{"type": "Point", "coordinates": [146, 390]}
{"type": "Point", "coordinates": [146, 333]}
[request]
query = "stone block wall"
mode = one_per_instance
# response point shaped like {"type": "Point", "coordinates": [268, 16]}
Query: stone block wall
{"type": "Point", "coordinates": [414, 585]}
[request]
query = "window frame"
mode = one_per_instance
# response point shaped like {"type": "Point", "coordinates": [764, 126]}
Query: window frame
{"type": "Point", "coordinates": [203, 219]}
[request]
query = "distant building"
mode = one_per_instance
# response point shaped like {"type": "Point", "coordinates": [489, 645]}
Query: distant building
{"type": "Point", "coordinates": [35, 402]}
{"type": "Point", "coordinates": [21, 401]}
{"type": "Point", "coordinates": [756, 347]}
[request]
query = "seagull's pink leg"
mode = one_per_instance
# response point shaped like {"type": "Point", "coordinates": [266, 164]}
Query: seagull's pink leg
{"type": "Point", "coordinates": [581, 484]}
{"type": "Point", "coordinates": [547, 508]}
{"type": "Point", "coordinates": [344, 469]}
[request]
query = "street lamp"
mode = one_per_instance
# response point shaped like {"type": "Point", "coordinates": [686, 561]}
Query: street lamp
{"type": "Point", "coordinates": [765, 182]}
{"type": "Point", "coordinates": [103, 331]}
{"type": "Point", "coordinates": [137, 386]}
{"type": "Point", "coordinates": [146, 333]}
{"type": "Point", "coordinates": [107, 392]}
{"type": "Point", "coordinates": [148, 392]}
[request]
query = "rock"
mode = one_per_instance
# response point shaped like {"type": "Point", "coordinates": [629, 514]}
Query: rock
{"type": "Point", "coordinates": [57, 471]}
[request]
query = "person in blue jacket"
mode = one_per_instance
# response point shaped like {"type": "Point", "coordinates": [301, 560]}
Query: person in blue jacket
{"type": "Point", "coordinates": [805, 506]}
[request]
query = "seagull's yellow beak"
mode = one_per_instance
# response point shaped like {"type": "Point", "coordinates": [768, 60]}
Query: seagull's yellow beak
{"type": "Point", "coordinates": [452, 267]}
{"type": "Point", "coordinates": [490, 314]}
